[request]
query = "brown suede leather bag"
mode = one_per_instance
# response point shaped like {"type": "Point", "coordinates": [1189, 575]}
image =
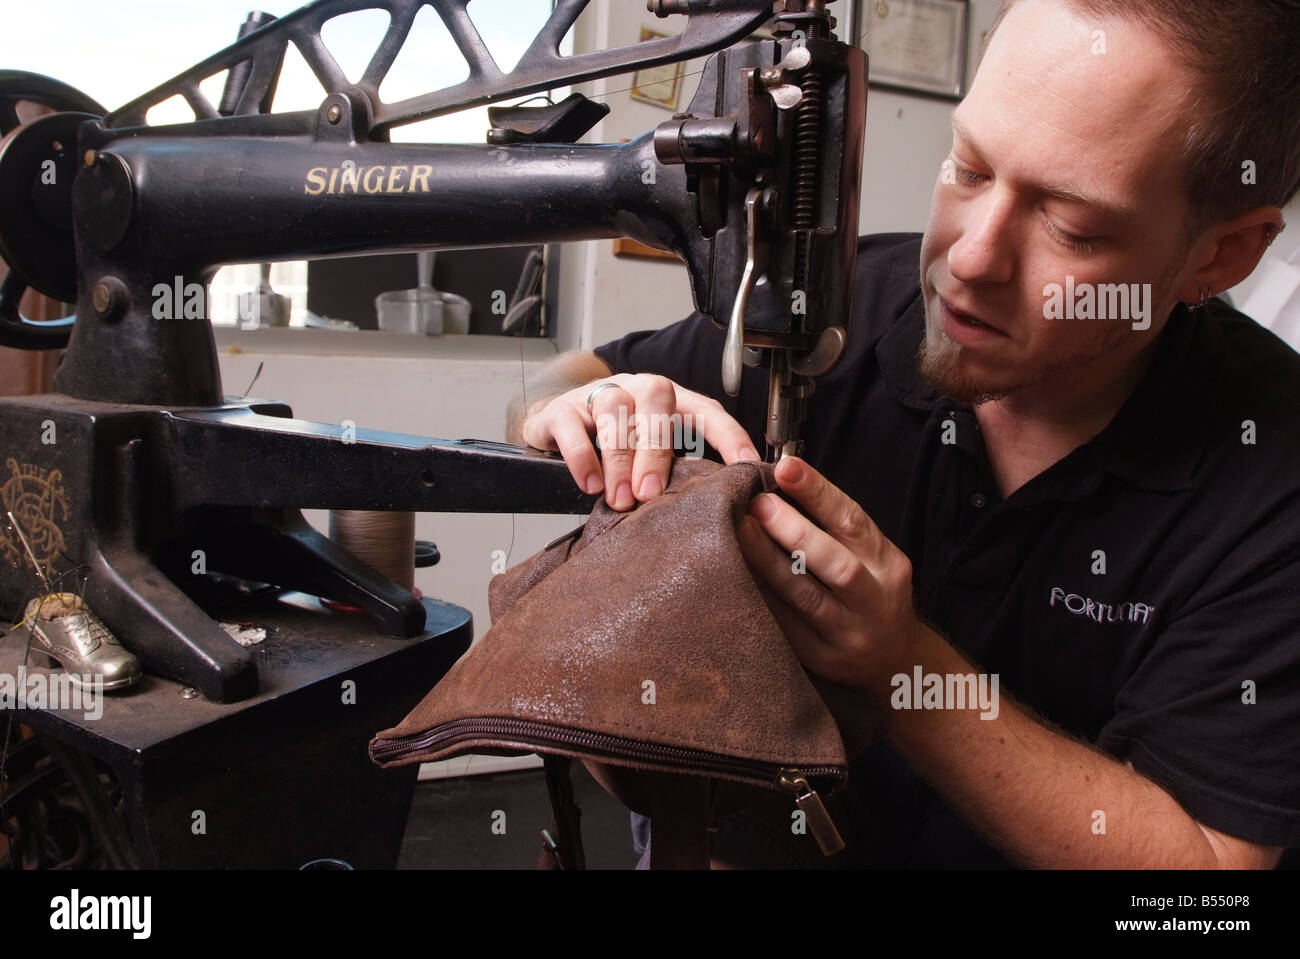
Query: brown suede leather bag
{"type": "Point", "coordinates": [641, 645]}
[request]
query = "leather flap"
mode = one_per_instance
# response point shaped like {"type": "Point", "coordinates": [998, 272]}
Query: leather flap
{"type": "Point", "coordinates": [649, 626]}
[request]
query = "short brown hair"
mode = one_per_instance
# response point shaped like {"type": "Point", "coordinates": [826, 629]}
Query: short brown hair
{"type": "Point", "coordinates": [1247, 106]}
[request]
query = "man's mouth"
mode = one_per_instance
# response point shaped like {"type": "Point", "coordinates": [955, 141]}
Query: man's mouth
{"type": "Point", "coordinates": [967, 319]}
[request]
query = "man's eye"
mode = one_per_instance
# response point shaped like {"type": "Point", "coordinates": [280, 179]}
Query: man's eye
{"type": "Point", "coordinates": [1079, 244]}
{"type": "Point", "coordinates": [968, 176]}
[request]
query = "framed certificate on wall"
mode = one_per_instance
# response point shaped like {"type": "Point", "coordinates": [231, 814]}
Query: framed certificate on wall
{"type": "Point", "coordinates": [658, 85]}
{"type": "Point", "coordinates": [917, 46]}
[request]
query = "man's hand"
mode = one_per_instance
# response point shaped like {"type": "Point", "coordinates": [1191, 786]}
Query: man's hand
{"type": "Point", "coordinates": [849, 618]}
{"type": "Point", "coordinates": [635, 422]}
{"type": "Point", "coordinates": [1032, 790]}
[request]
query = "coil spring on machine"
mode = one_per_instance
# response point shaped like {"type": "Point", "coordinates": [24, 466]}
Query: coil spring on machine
{"type": "Point", "coordinates": [808, 122]}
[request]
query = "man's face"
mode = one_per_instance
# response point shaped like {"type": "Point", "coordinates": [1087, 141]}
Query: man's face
{"type": "Point", "coordinates": [1066, 162]}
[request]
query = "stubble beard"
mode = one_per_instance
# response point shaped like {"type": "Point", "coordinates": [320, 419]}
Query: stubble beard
{"type": "Point", "coordinates": [941, 368]}
{"type": "Point", "coordinates": [941, 371]}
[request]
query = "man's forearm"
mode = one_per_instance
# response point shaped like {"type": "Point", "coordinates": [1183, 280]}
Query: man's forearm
{"type": "Point", "coordinates": [566, 372]}
{"type": "Point", "coordinates": [1046, 800]}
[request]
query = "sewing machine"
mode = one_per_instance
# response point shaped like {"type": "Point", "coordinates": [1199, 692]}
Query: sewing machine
{"type": "Point", "coordinates": [755, 187]}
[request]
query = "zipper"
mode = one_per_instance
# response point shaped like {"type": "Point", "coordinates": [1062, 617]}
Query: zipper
{"type": "Point", "coordinates": [818, 819]}
{"type": "Point", "coordinates": [671, 758]}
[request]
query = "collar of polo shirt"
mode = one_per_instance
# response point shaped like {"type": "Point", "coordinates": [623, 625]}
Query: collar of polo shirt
{"type": "Point", "coordinates": [1158, 437]}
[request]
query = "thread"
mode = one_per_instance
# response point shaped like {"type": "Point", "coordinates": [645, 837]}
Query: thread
{"type": "Point", "coordinates": [384, 540]}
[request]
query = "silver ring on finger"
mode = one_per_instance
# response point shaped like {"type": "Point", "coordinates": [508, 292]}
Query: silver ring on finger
{"type": "Point", "coordinates": [591, 397]}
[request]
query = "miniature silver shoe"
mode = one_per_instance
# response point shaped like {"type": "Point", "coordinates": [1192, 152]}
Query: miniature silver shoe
{"type": "Point", "coordinates": [67, 633]}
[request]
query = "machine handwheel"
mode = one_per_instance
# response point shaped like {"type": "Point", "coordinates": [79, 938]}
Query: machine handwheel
{"type": "Point", "coordinates": [37, 166]}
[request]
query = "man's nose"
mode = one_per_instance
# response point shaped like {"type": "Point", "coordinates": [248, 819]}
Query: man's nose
{"type": "Point", "coordinates": [984, 253]}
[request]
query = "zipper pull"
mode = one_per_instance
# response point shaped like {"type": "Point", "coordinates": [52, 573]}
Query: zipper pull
{"type": "Point", "coordinates": [815, 814]}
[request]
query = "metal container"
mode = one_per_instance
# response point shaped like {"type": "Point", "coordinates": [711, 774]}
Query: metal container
{"type": "Point", "coordinates": [417, 311]}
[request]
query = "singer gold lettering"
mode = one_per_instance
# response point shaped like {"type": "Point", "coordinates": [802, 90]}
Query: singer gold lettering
{"type": "Point", "coordinates": [350, 178]}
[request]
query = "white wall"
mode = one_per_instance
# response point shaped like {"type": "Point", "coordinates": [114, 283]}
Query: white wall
{"type": "Point", "coordinates": [907, 139]}
{"type": "Point", "coordinates": [1271, 295]}
{"type": "Point", "coordinates": [603, 296]}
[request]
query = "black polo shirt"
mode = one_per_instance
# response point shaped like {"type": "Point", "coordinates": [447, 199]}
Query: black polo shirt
{"type": "Point", "coordinates": [1142, 594]}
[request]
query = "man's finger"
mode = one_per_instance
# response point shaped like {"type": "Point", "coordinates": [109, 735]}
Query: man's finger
{"type": "Point", "coordinates": [787, 576]}
{"type": "Point", "coordinates": [612, 411]}
{"type": "Point", "coordinates": [832, 562]}
{"type": "Point", "coordinates": [569, 432]}
{"type": "Point", "coordinates": [710, 422]}
{"type": "Point", "coordinates": [652, 434]}
{"type": "Point", "coordinates": [832, 509]}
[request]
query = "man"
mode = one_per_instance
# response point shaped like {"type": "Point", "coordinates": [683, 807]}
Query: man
{"type": "Point", "coordinates": [1015, 474]}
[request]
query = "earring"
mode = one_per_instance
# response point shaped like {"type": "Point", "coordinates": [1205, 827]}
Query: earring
{"type": "Point", "coordinates": [1206, 294]}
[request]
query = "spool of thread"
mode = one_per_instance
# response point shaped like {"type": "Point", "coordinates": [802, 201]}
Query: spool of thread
{"type": "Point", "coordinates": [383, 540]}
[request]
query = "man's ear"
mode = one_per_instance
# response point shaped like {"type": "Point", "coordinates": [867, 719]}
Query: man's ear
{"type": "Point", "coordinates": [1228, 252]}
